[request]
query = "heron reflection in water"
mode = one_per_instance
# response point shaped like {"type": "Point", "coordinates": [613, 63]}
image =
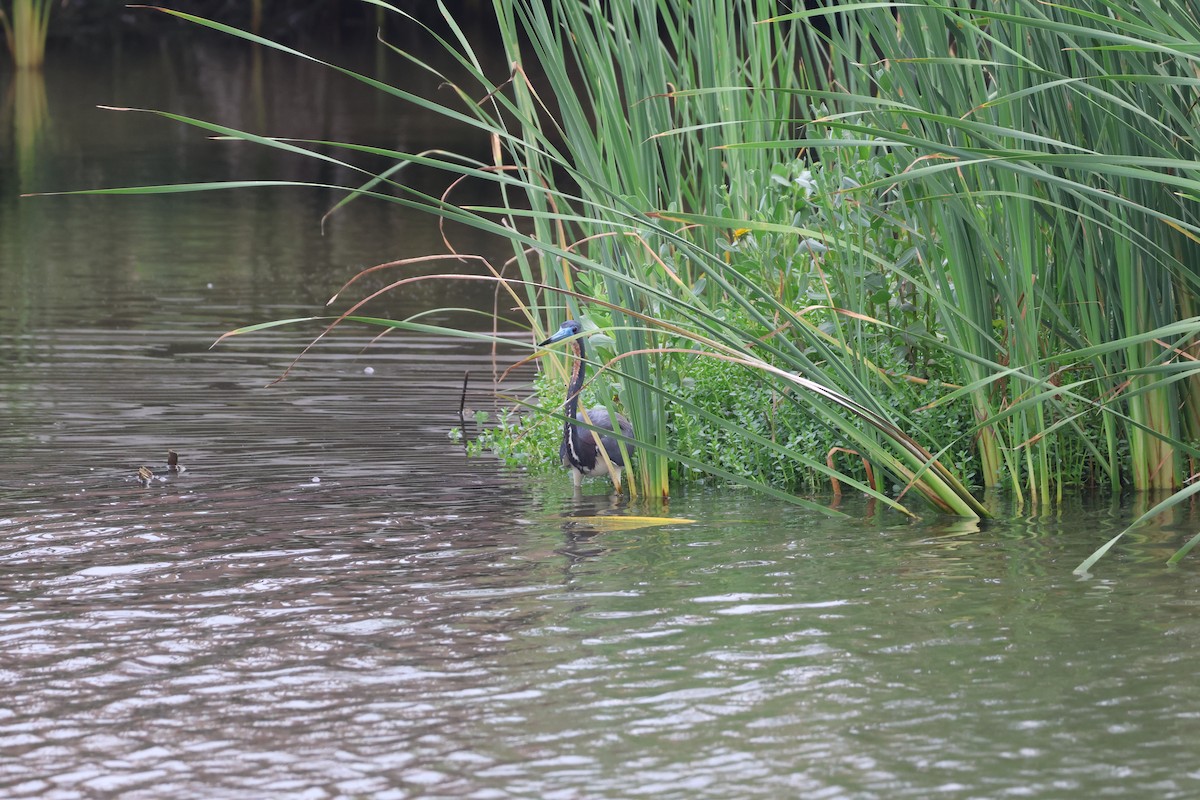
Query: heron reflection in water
{"type": "Point", "coordinates": [579, 450]}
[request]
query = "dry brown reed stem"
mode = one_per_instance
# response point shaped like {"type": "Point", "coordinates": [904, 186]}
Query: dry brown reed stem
{"type": "Point", "coordinates": [834, 482]}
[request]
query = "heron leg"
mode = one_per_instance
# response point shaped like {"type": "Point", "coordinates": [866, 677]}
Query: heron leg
{"type": "Point", "coordinates": [577, 476]}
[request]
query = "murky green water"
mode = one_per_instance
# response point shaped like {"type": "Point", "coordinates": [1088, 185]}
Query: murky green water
{"type": "Point", "coordinates": [334, 602]}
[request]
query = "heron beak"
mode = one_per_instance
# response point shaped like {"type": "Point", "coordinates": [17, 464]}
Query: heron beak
{"type": "Point", "coordinates": [558, 336]}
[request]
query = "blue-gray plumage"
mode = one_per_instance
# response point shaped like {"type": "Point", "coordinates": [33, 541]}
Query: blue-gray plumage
{"type": "Point", "coordinates": [578, 450]}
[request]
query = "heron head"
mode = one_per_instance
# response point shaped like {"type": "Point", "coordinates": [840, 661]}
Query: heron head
{"type": "Point", "coordinates": [565, 331]}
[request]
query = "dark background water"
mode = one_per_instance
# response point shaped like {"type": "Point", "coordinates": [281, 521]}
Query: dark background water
{"type": "Point", "coordinates": [333, 601]}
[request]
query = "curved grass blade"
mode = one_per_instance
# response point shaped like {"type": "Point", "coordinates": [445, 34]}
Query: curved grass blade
{"type": "Point", "coordinates": [1085, 567]}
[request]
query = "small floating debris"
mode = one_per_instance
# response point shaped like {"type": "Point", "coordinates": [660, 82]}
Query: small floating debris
{"type": "Point", "coordinates": [615, 522]}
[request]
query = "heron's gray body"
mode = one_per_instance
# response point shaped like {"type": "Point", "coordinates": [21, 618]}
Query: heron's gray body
{"type": "Point", "coordinates": [579, 453]}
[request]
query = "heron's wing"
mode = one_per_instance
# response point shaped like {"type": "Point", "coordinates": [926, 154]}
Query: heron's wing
{"type": "Point", "coordinates": [613, 448]}
{"type": "Point", "coordinates": [600, 418]}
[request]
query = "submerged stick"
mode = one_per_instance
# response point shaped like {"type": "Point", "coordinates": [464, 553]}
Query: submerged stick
{"type": "Point", "coordinates": [462, 401]}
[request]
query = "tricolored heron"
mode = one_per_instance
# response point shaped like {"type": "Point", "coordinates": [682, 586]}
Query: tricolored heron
{"type": "Point", "coordinates": [578, 450]}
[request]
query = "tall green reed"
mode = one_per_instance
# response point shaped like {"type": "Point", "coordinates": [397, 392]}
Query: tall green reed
{"type": "Point", "coordinates": [1051, 156]}
{"type": "Point", "coordinates": [608, 73]}
{"type": "Point", "coordinates": [26, 31]}
{"type": "Point", "coordinates": [1050, 151]}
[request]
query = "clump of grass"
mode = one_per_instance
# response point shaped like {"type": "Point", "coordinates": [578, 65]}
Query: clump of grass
{"type": "Point", "coordinates": [592, 191]}
{"type": "Point", "coordinates": [1026, 236]}
{"type": "Point", "coordinates": [1049, 167]}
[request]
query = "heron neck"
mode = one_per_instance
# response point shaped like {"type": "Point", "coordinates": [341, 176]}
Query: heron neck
{"type": "Point", "coordinates": [576, 385]}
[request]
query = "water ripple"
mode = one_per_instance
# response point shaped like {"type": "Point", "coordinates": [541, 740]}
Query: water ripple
{"type": "Point", "coordinates": [416, 623]}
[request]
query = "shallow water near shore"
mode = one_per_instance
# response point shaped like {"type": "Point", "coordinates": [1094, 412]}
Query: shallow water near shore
{"type": "Point", "coordinates": [334, 601]}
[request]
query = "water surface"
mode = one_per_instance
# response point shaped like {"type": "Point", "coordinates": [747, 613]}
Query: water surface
{"type": "Point", "coordinates": [333, 601]}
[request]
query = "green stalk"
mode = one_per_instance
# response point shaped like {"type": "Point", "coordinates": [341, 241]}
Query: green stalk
{"type": "Point", "coordinates": [26, 32]}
